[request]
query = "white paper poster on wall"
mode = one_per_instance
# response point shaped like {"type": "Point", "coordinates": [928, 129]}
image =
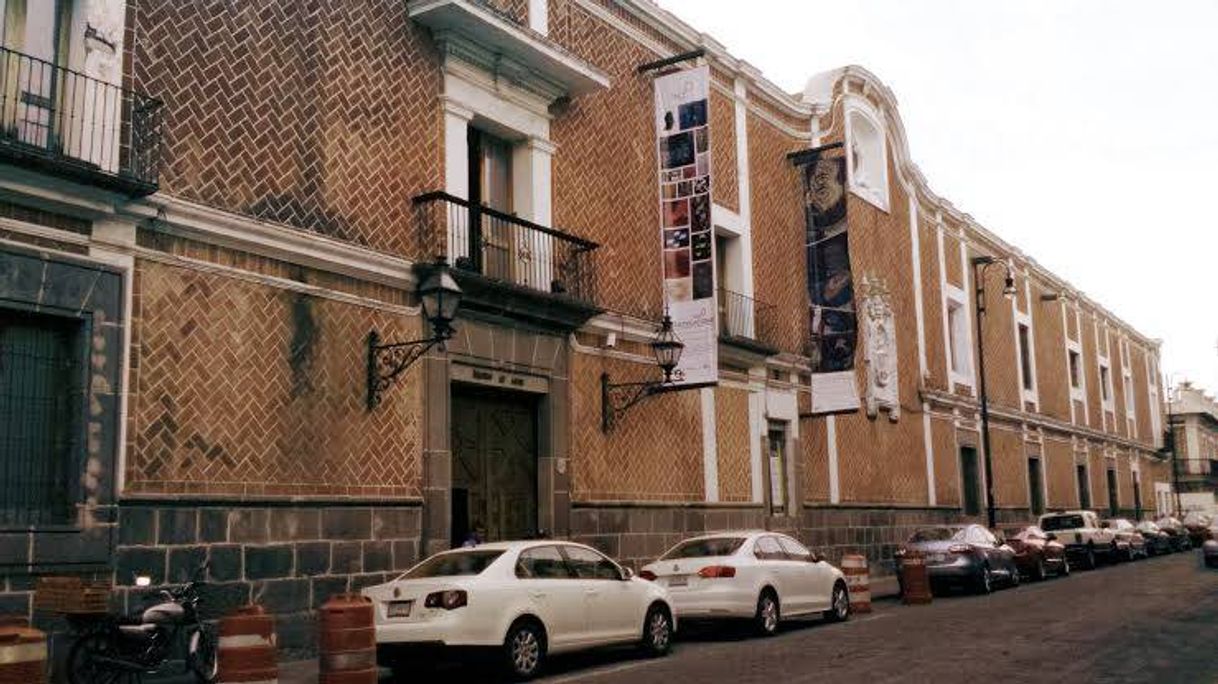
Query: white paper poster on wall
{"type": "Point", "coordinates": [687, 243]}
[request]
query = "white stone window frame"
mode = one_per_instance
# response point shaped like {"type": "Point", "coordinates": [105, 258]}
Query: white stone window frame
{"type": "Point", "coordinates": [857, 109]}
{"type": "Point", "coordinates": [1024, 318]}
{"type": "Point", "coordinates": [959, 338]}
{"type": "Point", "coordinates": [1152, 399]}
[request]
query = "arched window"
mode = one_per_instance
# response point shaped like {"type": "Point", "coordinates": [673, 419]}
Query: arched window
{"type": "Point", "coordinates": [868, 158]}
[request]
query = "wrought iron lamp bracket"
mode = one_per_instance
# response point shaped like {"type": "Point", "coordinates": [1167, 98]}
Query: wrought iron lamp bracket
{"type": "Point", "coordinates": [618, 398]}
{"type": "Point", "coordinates": [388, 361]}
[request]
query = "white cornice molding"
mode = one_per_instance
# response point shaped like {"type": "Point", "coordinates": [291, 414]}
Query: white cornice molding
{"type": "Point", "coordinates": [187, 219]}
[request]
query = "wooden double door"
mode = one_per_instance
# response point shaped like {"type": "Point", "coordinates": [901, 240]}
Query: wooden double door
{"type": "Point", "coordinates": [494, 465]}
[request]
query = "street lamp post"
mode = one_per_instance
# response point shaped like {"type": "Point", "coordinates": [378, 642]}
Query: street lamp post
{"type": "Point", "coordinates": [980, 264]}
{"type": "Point", "coordinates": [1175, 449]}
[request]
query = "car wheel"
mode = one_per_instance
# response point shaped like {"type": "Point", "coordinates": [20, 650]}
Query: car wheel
{"type": "Point", "coordinates": [657, 632]}
{"type": "Point", "coordinates": [1014, 578]}
{"type": "Point", "coordinates": [1089, 561]}
{"type": "Point", "coordinates": [524, 649]}
{"type": "Point", "coordinates": [985, 582]}
{"type": "Point", "coordinates": [839, 609]}
{"type": "Point", "coordinates": [1065, 569]}
{"type": "Point", "coordinates": [768, 614]}
{"type": "Point", "coordinates": [1130, 555]}
{"type": "Point", "coordinates": [1040, 573]}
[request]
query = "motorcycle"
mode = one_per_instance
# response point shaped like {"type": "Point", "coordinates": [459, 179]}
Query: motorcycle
{"type": "Point", "coordinates": [113, 649]}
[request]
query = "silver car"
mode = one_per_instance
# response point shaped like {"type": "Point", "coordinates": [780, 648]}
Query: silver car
{"type": "Point", "coordinates": [968, 556]}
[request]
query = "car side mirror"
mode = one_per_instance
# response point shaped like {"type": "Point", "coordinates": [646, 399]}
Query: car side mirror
{"type": "Point", "coordinates": [627, 574]}
{"type": "Point", "coordinates": [1051, 537]}
{"type": "Point", "coordinates": [814, 557]}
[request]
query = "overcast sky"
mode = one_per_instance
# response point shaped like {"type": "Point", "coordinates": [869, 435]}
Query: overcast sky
{"type": "Point", "coordinates": [1082, 131]}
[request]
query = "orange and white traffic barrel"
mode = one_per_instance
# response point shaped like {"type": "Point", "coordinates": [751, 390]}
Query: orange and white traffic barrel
{"type": "Point", "coordinates": [858, 582]}
{"type": "Point", "coordinates": [247, 648]}
{"type": "Point", "coordinates": [23, 655]}
{"type": "Point", "coordinates": [347, 641]}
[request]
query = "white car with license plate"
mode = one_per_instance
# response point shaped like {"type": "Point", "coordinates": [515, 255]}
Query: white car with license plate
{"type": "Point", "coordinates": [760, 576]}
{"type": "Point", "coordinates": [525, 599]}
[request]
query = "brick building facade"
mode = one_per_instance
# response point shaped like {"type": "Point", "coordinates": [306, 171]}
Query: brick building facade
{"type": "Point", "coordinates": [297, 169]}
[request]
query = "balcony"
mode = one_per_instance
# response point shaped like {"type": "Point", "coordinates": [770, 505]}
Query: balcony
{"type": "Point", "coordinates": [509, 265]}
{"type": "Point", "coordinates": [742, 320]}
{"type": "Point", "coordinates": [66, 124]}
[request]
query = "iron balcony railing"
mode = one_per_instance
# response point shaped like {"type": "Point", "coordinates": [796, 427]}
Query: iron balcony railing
{"type": "Point", "coordinates": [743, 317]}
{"type": "Point", "coordinates": [63, 122]}
{"type": "Point", "coordinates": [478, 239]}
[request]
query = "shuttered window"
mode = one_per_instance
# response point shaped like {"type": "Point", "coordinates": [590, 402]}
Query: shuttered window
{"type": "Point", "coordinates": [41, 403]}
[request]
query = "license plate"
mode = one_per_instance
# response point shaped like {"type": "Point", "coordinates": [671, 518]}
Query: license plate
{"type": "Point", "coordinates": [678, 581]}
{"type": "Point", "coordinates": [936, 558]}
{"type": "Point", "coordinates": [399, 609]}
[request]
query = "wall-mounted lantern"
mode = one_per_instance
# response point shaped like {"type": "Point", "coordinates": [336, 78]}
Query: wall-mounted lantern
{"type": "Point", "coordinates": [617, 399]}
{"type": "Point", "coordinates": [440, 296]}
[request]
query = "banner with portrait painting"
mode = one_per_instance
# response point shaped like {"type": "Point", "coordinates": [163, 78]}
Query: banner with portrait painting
{"type": "Point", "coordinates": [832, 315]}
{"type": "Point", "coordinates": [686, 240]}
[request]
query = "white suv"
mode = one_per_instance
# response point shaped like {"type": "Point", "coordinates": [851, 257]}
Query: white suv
{"type": "Point", "coordinates": [1082, 535]}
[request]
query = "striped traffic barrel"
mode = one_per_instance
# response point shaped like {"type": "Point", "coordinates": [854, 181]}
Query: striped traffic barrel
{"type": "Point", "coordinates": [915, 579]}
{"type": "Point", "coordinates": [247, 647]}
{"type": "Point", "coordinates": [347, 641]}
{"type": "Point", "coordinates": [858, 581]}
{"type": "Point", "coordinates": [23, 654]}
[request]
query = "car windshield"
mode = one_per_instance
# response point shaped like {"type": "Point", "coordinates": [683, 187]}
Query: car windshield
{"type": "Point", "coordinates": [934, 534]}
{"type": "Point", "coordinates": [1061, 522]}
{"type": "Point", "coordinates": [1147, 526]}
{"type": "Point", "coordinates": [701, 548]}
{"type": "Point", "coordinates": [454, 564]}
{"type": "Point", "coordinates": [1025, 534]}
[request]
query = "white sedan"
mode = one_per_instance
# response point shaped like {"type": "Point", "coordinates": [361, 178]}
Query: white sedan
{"type": "Point", "coordinates": [762, 576]}
{"type": "Point", "coordinates": [526, 599]}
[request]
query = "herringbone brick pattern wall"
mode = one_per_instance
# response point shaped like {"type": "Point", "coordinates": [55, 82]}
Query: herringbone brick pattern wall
{"type": "Point", "coordinates": [815, 451]}
{"type": "Point", "coordinates": [1052, 371]}
{"type": "Point", "coordinates": [654, 452]}
{"type": "Point", "coordinates": [779, 265]}
{"type": "Point", "coordinates": [732, 444]}
{"type": "Point", "coordinates": [1125, 480]}
{"type": "Point", "coordinates": [1141, 391]}
{"type": "Point", "coordinates": [1001, 361]}
{"type": "Point", "coordinates": [947, 462]}
{"type": "Point", "coordinates": [880, 462]}
{"type": "Point", "coordinates": [1091, 366]}
{"type": "Point", "coordinates": [318, 115]}
{"type": "Point", "coordinates": [245, 389]}
{"type": "Point", "coordinates": [723, 151]}
{"type": "Point", "coordinates": [516, 10]}
{"type": "Point", "coordinates": [605, 174]}
{"type": "Point", "coordinates": [932, 301]}
{"type": "Point", "coordinates": [1010, 467]}
{"type": "Point", "coordinates": [1058, 463]}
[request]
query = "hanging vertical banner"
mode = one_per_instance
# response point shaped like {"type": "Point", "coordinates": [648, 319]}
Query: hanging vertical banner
{"type": "Point", "coordinates": [830, 287]}
{"type": "Point", "coordinates": [686, 241]}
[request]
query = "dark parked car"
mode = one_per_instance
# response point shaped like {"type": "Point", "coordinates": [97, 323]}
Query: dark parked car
{"type": "Point", "coordinates": [1198, 526]}
{"type": "Point", "coordinates": [1038, 553]}
{"type": "Point", "coordinates": [1158, 542]}
{"type": "Point", "coordinates": [1130, 542]}
{"type": "Point", "coordinates": [1176, 532]}
{"type": "Point", "coordinates": [968, 556]}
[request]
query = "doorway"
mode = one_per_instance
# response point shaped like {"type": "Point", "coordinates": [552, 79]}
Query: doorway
{"type": "Point", "coordinates": [494, 465]}
{"type": "Point", "coordinates": [970, 480]}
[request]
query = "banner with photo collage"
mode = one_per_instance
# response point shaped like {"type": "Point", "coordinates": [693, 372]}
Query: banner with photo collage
{"type": "Point", "coordinates": [687, 241]}
{"type": "Point", "coordinates": [832, 313]}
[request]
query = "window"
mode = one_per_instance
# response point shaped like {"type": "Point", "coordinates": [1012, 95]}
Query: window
{"type": "Point", "coordinates": [868, 165]}
{"type": "Point", "coordinates": [41, 30]}
{"type": "Point", "coordinates": [588, 564]}
{"type": "Point", "coordinates": [454, 564]}
{"type": "Point", "coordinates": [702, 548]}
{"type": "Point", "coordinates": [958, 338]}
{"type": "Point", "coordinates": [1105, 383]}
{"type": "Point", "coordinates": [542, 562]}
{"type": "Point", "coordinates": [1084, 490]}
{"type": "Point", "coordinates": [1025, 357]}
{"type": "Point", "coordinates": [1127, 385]}
{"type": "Point", "coordinates": [1036, 497]}
{"type": "Point", "coordinates": [41, 402]}
{"type": "Point", "coordinates": [1075, 375]}
{"type": "Point", "coordinates": [794, 550]}
{"type": "Point", "coordinates": [1114, 504]}
{"type": "Point", "coordinates": [767, 548]}
{"type": "Point", "coordinates": [971, 498]}
{"type": "Point", "coordinates": [778, 467]}
{"type": "Point", "coordinates": [1137, 495]}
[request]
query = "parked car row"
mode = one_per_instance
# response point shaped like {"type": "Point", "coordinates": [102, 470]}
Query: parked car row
{"type": "Point", "coordinates": [975, 558]}
{"type": "Point", "coordinates": [527, 600]}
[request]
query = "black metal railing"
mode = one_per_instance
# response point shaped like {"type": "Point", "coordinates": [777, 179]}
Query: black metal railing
{"type": "Point", "coordinates": [478, 239]}
{"type": "Point", "coordinates": [64, 122]}
{"type": "Point", "coordinates": [743, 317]}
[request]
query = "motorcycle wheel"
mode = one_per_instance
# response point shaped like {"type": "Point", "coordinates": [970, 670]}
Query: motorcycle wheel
{"type": "Point", "coordinates": [83, 665]}
{"type": "Point", "coordinates": [203, 660]}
